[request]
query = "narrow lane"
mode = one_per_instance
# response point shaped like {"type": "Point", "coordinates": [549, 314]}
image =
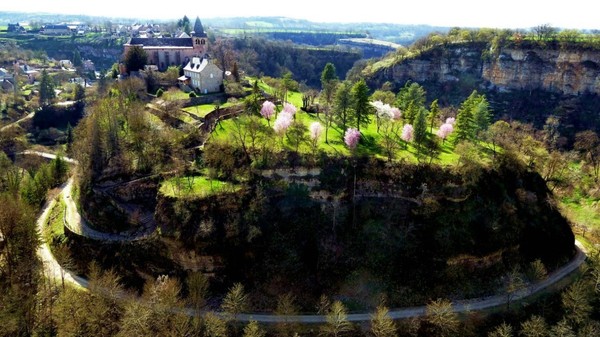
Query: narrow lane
{"type": "Point", "coordinates": [53, 269]}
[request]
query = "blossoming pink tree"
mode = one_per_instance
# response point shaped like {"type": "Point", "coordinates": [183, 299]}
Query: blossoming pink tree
{"type": "Point", "coordinates": [282, 123]}
{"type": "Point", "coordinates": [396, 114]}
{"type": "Point", "coordinates": [408, 133]}
{"type": "Point", "coordinates": [351, 138]}
{"type": "Point", "coordinates": [445, 130]}
{"type": "Point", "coordinates": [450, 120]}
{"type": "Point", "coordinates": [267, 111]}
{"type": "Point", "coordinates": [289, 108]}
{"type": "Point", "coordinates": [316, 130]}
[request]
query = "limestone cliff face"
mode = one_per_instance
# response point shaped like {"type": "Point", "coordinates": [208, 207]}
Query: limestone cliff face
{"type": "Point", "coordinates": [569, 72]}
{"type": "Point", "coordinates": [439, 64]}
{"type": "Point", "coordinates": [561, 71]}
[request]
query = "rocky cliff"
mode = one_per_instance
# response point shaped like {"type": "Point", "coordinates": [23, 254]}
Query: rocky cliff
{"type": "Point", "coordinates": [568, 72]}
{"type": "Point", "coordinates": [565, 72]}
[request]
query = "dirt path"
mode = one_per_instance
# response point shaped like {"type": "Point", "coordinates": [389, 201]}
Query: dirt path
{"type": "Point", "coordinates": [17, 122]}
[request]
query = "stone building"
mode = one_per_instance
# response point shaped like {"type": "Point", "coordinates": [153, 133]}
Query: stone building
{"type": "Point", "coordinates": [165, 52]}
{"type": "Point", "coordinates": [202, 75]}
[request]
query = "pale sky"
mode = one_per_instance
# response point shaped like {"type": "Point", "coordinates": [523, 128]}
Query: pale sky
{"type": "Point", "coordinates": [580, 14]}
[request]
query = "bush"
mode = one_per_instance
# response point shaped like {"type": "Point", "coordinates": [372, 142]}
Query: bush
{"type": "Point", "coordinates": [192, 94]}
{"type": "Point", "coordinates": [159, 92]}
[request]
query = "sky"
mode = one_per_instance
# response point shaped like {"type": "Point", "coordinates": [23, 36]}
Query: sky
{"type": "Point", "coordinates": [576, 14]}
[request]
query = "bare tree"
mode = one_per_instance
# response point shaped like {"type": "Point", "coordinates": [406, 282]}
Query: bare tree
{"type": "Point", "coordinates": [382, 324]}
{"type": "Point", "coordinates": [286, 307]}
{"type": "Point", "coordinates": [535, 326]}
{"type": "Point", "coordinates": [440, 318]}
{"type": "Point", "coordinates": [236, 301]}
{"type": "Point", "coordinates": [544, 32]}
{"type": "Point", "coordinates": [337, 323]}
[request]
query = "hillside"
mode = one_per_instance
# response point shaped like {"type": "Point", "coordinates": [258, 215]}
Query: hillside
{"type": "Point", "coordinates": [424, 233]}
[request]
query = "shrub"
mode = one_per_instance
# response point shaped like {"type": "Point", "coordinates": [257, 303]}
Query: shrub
{"type": "Point", "coordinates": [159, 92]}
{"type": "Point", "coordinates": [193, 94]}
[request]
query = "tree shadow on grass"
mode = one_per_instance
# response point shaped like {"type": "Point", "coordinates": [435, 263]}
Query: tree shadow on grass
{"type": "Point", "coordinates": [369, 146]}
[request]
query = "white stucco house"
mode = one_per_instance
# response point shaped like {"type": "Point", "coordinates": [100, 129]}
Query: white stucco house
{"type": "Point", "coordinates": [203, 75]}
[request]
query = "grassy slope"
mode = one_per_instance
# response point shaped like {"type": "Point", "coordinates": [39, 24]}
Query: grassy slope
{"type": "Point", "coordinates": [204, 109]}
{"type": "Point", "coordinates": [195, 187]}
{"type": "Point", "coordinates": [369, 144]}
{"type": "Point", "coordinates": [583, 212]}
{"type": "Point", "coordinates": [54, 223]}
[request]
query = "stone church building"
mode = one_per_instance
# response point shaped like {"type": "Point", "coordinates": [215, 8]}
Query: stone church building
{"type": "Point", "coordinates": [189, 52]}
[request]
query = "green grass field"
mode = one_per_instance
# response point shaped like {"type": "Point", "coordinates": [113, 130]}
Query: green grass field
{"type": "Point", "coordinates": [293, 97]}
{"type": "Point", "coordinates": [174, 95]}
{"type": "Point", "coordinates": [195, 187]}
{"type": "Point", "coordinates": [368, 146]}
{"type": "Point", "coordinates": [585, 212]}
{"type": "Point", "coordinates": [204, 109]}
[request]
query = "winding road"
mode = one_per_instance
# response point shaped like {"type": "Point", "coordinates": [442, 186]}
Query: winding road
{"type": "Point", "coordinates": [79, 226]}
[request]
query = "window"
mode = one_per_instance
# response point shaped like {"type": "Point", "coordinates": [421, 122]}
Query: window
{"type": "Point", "coordinates": [203, 42]}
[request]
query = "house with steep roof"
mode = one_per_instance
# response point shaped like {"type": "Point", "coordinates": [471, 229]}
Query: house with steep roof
{"type": "Point", "coordinates": [165, 52]}
{"type": "Point", "coordinates": [202, 75]}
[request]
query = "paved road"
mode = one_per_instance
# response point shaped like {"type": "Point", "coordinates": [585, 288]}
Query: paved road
{"type": "Point", "coordinates": [55, 270]}
{"type": "Point", "coordinates": [51, 267]}
{"type": "Point", "coordinates": [78, 225]}
{"type": "Point", "coordinates": [49, 156]}
{"type": "Point", "coordinates": [73, 220]}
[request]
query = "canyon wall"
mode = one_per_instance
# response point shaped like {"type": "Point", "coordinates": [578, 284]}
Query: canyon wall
{"type": "Point", "coordinates": [565, 72]}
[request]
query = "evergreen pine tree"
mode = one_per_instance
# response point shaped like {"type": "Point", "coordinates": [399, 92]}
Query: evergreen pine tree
{"type": "Point", "coordinates": [481, 114]}
{"type": "Point", "coordinates": [46, 88]}
{"type": "Point", "coordinates": [420, 127]}
{"type": "Point", "coordinates": [411, 99]}
{"type": "Point", "coordinates": [465, 124]}
{"type": "Point", "coordinates": [69, 137]}
{"type": "Point", "coordinates": [362, 107]}
{"type": "Point", "coordinates": [434, 114]}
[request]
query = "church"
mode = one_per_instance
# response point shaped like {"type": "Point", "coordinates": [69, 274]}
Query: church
{"type": "Point", "coordinates": [187, 51]}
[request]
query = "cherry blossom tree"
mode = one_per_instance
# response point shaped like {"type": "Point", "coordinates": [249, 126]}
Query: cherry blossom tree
{"type": "Point", "coordinates": [316, 130]}
{"type": "Point", "coordinates": [289, 108]}
{"type": "Point", "coordinates": [396, 114]}
{"type": "Point", "coordinates": [282, 123]}
{"type": "Point", "coordinates": [450, 120]}
{"type": "Point", "coordinates": [445, 130]}
{"type": "Point", "coordinates": [383, 112]}
{"type": "Point", "coordinates": [267, 110]}
{"type": "Point", "coordinates": [351, 138]}
{"type": "Point", "coordinates": [408, 133]}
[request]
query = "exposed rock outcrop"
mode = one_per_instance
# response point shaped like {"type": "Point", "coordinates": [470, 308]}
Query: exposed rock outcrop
{"type": "Point", "coordinates": [567, 72]}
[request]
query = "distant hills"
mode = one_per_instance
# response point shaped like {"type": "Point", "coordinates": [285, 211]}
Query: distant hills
{"type": "Point", "coordinates": [397, 33]}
